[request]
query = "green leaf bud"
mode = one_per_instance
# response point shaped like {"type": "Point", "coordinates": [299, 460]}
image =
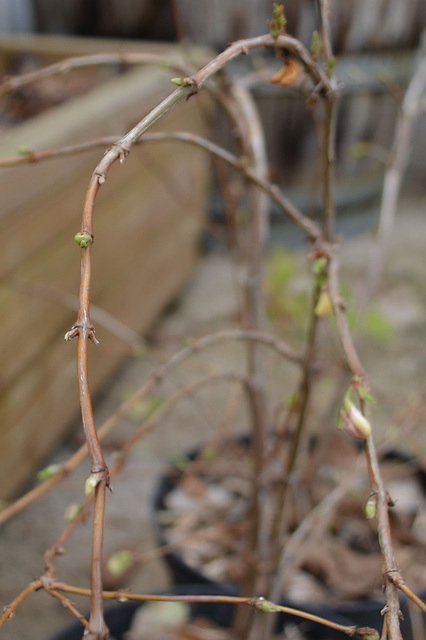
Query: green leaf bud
{"type": "Point", "coordinates": [119, 562]}
{"type": "Point", "coordinates": [266, 605]}
{"type": "Point", "coordinates": [23, 150]}
{"type": "Point", "coordinates": [315, 46]}
{"type": "Point", "coordinates": [370, 509]}
{"type": "Point", "coordinates": [324, 306]}
{"type": "Point", "coordinates": [83, 239]}
{"type": "Point", "coordinates": [365, 395]}
{"type": "Point", "coordinates": [374, 635]}
{"type": "Point", "coordinates": [354, 423]}
{"type": "Point", "coordinates": [319, 266]}
{"type": "Point", "coordinates": [330, 65]}
{"type": "Point", "coordinates": [90, 485]}
{"type": "Point", "coordinates": [72, 511]}
{"type": "Point", "coordinates": [278, 22]}
{"type": "Point", "coordinates": [48, 472]}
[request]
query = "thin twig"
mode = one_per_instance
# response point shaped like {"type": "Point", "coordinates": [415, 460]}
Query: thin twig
{"type": "Point", "coordinates": [390, 568]}
{"type": "Point", "coordinates": [302, 402]}
{"type": "Point", "coordinates": [325, 31]}
{"type": "Point", "coordinates": [153, 381]}
{"type": "Point", "coordinates": [306, 384]}
{"type": "Point", "coordinates": [396, 168]}
{"type": "Point", "coordinates": [71, 301]}
{"type": "Point", "coordinates": [258, 603]}
{"type": "Point", "coordinates": [304, 394]}
{"type": "Point", "coordinates": [272, 190]}
{"type": "Point", "coordinates": [69, 605]}
{"type": "Point", "coordinates": [145, 428]}
{"type": "Point", "coordinates": [402, 586]}
{"type": "Point", "coordinates": [339, 306]}
{"type": "Point", "coordinates": [65, 66]}
{"type": "Point", "coordinates": [314, 524]}
{"type": "Point", "coordinates": [328, 166]}
{"type": "Point", "coordinates": [9, 610]}
{"type": "Point", "coordinates": [253, 148]}
{"type": "Point", "coordinates": [329, 126]}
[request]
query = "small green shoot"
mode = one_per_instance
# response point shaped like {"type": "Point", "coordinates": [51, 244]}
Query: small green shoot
{"type": "Point", "coordinates": [90, 485]}
{"type": "Point", "coordinates": [179, 82]}
{"type": "Point", "coordinates": [370, 509]}
{"type": "Point", "coordinates": [266, 605]}
{"type": "Point", "coordinates": [365, 395]}
{"type": "Point", "coordinates": [278, 22]}
{"type": "Point", "coordinates": [83, 239]}
{"type": "Point", "coordinates": [23, 150]}
{"type": "Point", "coordinates": [49, 472]}
{"type": "Point", "coordinates": [72, 511]}
{"type": "Point", "coordinates": [315, 46]}
{"type": "Point", "coordinates": [330, 66]}
{"type": "Point", "coordinates": [119, 562]}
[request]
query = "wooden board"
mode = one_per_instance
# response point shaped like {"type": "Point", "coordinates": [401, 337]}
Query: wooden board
{"type": "Point", "coordinates": [147, 224]}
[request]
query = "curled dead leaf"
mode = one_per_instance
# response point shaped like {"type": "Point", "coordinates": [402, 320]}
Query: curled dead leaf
{"type": "Point", "coordinates": [287, 74]}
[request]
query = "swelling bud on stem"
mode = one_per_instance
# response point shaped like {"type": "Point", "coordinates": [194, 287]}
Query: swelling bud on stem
{"type": "Point", "coordinates": [324, 306]}
{"type": "Point", "coordinates": [72, 511]}
{"type": "Point", "coordinates": [370, 509]}
{"type": "Point", "coordinates": [49, 472]}
{"type": "Point", "coordinates": [83, 239]}
{"type": "Point", "coordinates": [119, 562]}
{"type": "Point", "coordinates": [91, 484]}
{"type": "Point", "coordinates": [278, 21]}
{"type": "Point", "coordinates": [265, 605]}
{"type": "Point", "coordinates": [353, 422]}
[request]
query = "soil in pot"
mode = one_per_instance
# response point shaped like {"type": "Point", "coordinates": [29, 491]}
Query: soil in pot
{"type": "Point", "coordinates": [203, 511]}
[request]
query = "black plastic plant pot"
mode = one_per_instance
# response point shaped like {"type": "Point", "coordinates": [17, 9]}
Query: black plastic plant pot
{"type": "Point", "coordinates": [119, 616]}
{"type": "Point", "coordinates": [361, 613]}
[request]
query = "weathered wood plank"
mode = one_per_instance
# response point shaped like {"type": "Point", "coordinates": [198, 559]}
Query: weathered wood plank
{"type": "Point", "coordinates": [147, 223]}
{"type": "Point", "coordinates": [36, 410]}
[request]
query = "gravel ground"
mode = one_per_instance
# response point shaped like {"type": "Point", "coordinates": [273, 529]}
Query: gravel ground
{"type": "Point", "coordinates": [396, 367]}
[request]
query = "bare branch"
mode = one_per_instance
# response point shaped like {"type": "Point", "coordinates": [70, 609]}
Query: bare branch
{"type": "Point", "coordinates": [273, 191]}
{"type": "Point", "coordinates": [66, 66]}
{"type": "Point", "coordinates": [410, 109]}
{"type": "Point", "coordinates": [153, 381]}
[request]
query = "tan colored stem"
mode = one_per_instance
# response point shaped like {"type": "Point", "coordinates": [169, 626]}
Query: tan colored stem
{"type": "Point", "coordinates": [65, 66]}
{"type": "Point", "coordinates": [339, 306]}
{"type": "Point", "coordinates": [273, 191]}
{"type": "Point", "coordinates": [258, 603]}
{"type": "Point", "coordinates": [390, 567]}
{"type": "Point", "coordinates": [140, 432]}
{"type": "Point", "coordinates": [68, 605]}
{"type": "Point", "coordinates": [97, 629]}
{"type": "Point", "coordinates": [153, 381]}
{"type": "Point", "coordinates": [9, 610]}
{"type": "Point", "coordinates": [410, 594]}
